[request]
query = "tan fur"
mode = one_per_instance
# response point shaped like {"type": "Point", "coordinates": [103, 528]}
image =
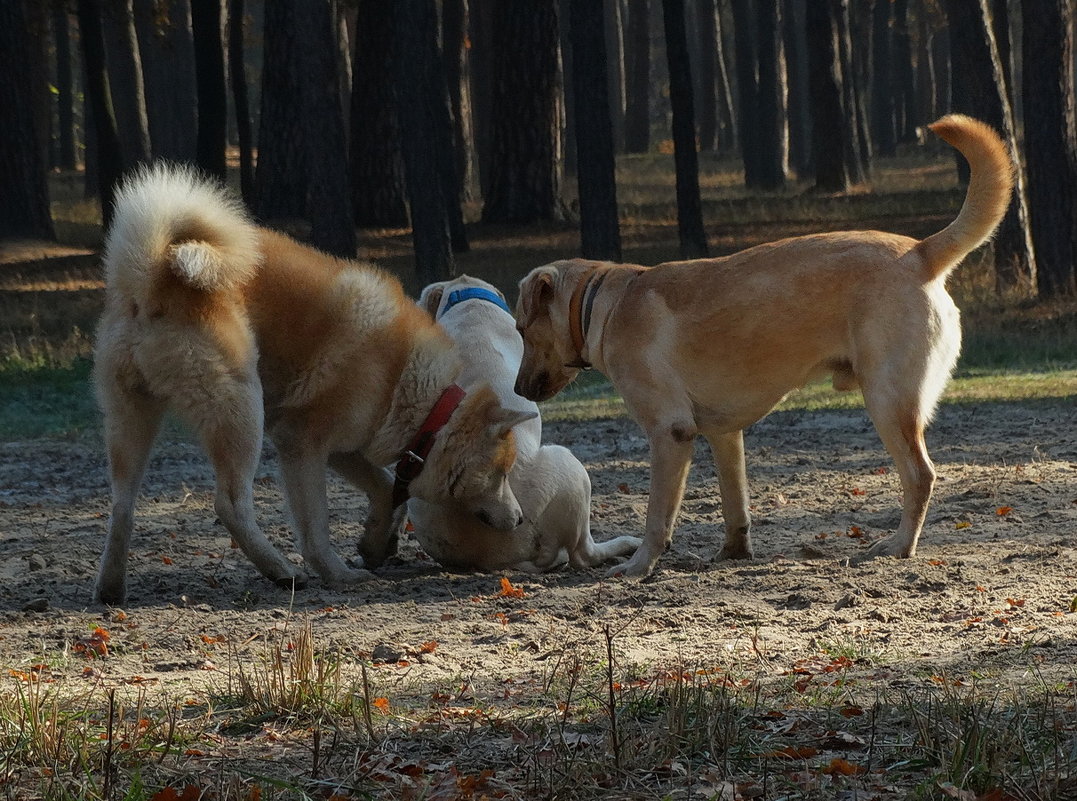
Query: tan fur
{"type": "Point", "coordinates": [229, 324]}
{"type": "Point", "coordinates": [710, 346]}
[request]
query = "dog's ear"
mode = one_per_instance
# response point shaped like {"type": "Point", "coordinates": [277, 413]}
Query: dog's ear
{"type": "Point", "coordinates": [504, 420]}
{"type": "Point", "coordinates": [430, 298]}
{"type": "Point", "coordinates": [536, 291]}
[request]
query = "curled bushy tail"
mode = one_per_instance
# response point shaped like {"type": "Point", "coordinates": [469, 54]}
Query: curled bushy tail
{"type": "Point", "coordinates": [169, 217]}
{"type": "Point", "coordinates": [988, 196]}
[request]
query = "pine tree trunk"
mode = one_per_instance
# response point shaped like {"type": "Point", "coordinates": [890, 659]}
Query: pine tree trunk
{"type": "Point", "coordinates": [454, 16]}
{"type": "Point", "coordinates": [744, 32]}
{"type": "Point", "coordinates": [66, 157]}
{"type": "Point", "coordinates": [422, 108]}
{"type": "Point", "coordinates": [693, 239]}
{"type": "Point", "coordinates": [728, 138]}
{"type": "Point", "coordinates": [125, 80]}
{"type": "Point", "coordinates": [480, 61]}
{"type": "Point", "coordinates": [212, 94]}
{"type": "Point", "coordinates": [855, 144]}
{"type": "Point", "coordinates": [615, 71]}
{"type": "Point", "coordinates": [24, 198]}
{"type": "Point", "coordinates": [638, 78]}
{"type": "Point", "coordinates": [237, 71]}
{"type": "Point", "coordinates": [796, 63]}
{"type": "Point", "coordinates": [773, 135]}
{"type": "Point", "coordinates": [882, 86]}
{"type": "Point", "coordinates": [525, 173]}
{"type": "Point", "coordinates": [905, 107]}
{"type": "Point", "coordinates": [829, 122]}
{"type": "Point", "coordinates": [166, 47]}
{"type": "Point", "coordinates": [1051, 142]}
{"type": "Point", "coordinates": [706, 41]}
{"type": "Point", "coordinates": [324, 149]}
{"type": "Point", "coordinates": [600, 234]}
{"type": "Point", "coordinates": [108, 153]}
{"type": "Point", "coordinates": [377, 172]}
{"type": "Point", "coordinates": [979, 92]}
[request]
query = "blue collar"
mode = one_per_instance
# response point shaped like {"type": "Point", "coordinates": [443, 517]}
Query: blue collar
{"type": "Point", "coordinates": [475, 293]}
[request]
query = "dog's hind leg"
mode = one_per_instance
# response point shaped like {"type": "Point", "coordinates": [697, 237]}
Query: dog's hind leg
{"type": "Point", "coordinates": [566, 520]}
{"type": "Point", "coordinates": [902, 432]}
{"type": "Point", "coordinates": [303, 467]}
{"type": "Point", "coordinates": [231, 432]}
{"type": "Point", "coordinates": [132, 419]}
{"type": "Point", "coordinates": [384, 525]}
{"type": "Point", "coordinates": [728, 450]}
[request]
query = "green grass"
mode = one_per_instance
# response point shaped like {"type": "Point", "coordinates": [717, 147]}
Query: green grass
{"type": "Point", "coordinates": [39, 397]}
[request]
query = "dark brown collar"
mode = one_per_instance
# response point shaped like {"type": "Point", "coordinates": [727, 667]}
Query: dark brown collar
{"type": "Point", "coordinates": [414, 456]}
{"type": "Point", "coordinates": [579, 313]}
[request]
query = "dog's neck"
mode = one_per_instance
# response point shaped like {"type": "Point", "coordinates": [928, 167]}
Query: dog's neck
{"type": "Point", "coordinates": [593, 299]}
{"type": "Point", "coordinates": [432, 365]}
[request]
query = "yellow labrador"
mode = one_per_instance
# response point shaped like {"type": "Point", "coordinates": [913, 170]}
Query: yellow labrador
{"type": "Point", "coordinates": [236, 327]}
{"type": "Point", "coordinates": [710, 346]}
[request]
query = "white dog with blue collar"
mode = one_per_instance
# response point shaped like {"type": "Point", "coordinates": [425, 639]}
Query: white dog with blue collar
{"type": "Point", "coordinates": [551, 486]}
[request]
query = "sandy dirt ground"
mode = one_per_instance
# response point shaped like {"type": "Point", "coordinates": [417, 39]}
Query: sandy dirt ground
{"type": "Point", "coordinates": [991, 587]}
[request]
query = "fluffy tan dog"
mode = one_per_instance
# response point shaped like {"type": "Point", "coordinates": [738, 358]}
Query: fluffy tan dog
{"type": "Point", "coordinates": [710, 346]}
{"type": "Point", "coordinates": [235, 327]}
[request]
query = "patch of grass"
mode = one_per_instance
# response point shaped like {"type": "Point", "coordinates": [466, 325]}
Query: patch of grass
{"type": "Point", "coordinates": [40, 396]}
{"type": "Point", "coordinates": [591, 728]}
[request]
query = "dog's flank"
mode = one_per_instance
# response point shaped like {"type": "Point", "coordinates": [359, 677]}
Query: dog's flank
{"type": "Point", "coordinates": [231, 325]}
{"type": "Point", "coordinates": [710, 346]}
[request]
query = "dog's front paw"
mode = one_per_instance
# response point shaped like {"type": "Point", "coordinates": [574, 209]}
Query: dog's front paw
{"type": "Point", "coordinates": [347, 577]}
{"type": "Point", "coordinates": [890, 546]}
{"type": "Point", "coordinates": [294, 579]}
{"type": "Point", "coordinates": [636, 568]}
{"type": "Point", "coordinates": [110, 594]}
{"type": "Point", "coordinates": [737, 550]}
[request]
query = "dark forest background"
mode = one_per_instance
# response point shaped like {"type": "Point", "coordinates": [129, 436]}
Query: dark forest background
{"type": "Point", "coordinates": [334, 116]}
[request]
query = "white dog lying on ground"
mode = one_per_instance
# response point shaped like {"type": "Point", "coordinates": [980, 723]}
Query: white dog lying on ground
{"type": "Point", "coordinates": [551, 486]}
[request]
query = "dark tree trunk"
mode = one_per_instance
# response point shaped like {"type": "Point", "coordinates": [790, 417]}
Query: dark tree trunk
{"type": "Point", "coordinates": [728, 139]}
{"type": "Point", "coordinates": [167, 50]}
{"type": "Point", "coordinates": [24, 198]}
{"type": "Point", "coordinates": [212, 94]}
{"type": "Point", "coordinates": [830, 125]}
{"type": "Point", "coordinates": [377, 172]}
{"type": "Point", "coordinates": [857, 157]}
{"type": "Point", "coordinates": [882, 89]}
{"type": "Point", "coordinates": [237, 71]}
{"type": "Point", "coordinates": [978, 91]}
{"type": "Point", "coordinates": [796, 62]}
{"type": "Point", "coordinates": [125, 79]}
{"type": "Point", "coordinates": [615, 71]}
{"type": "Point", "coordinates": [744, 33]}
{"type": "Point", "coordinates": [689, 208]}
{"type": "Point", "coordinates": [480, 61]}
{"type": "Point", "coordinates": [707, 50]}
{"type": "Point", "coordinates": [66, 155]}
{"type": "Point", "coordinates": [925, 71]}
{"type": "Point", "coordinates": [1051, 142]}
{"type": "Point", "coordinates": [567, 101]}
{"type": "Point", "coordinates": [108, 156]}
{"type": "Point", "coordinates": [525, 175]}
{"type": "Point", "coordinates": [423, 110]}
{"type": "Point", "coordinates": [905, 107]}
{"type": "Point", "coordinates": [454, 25]}
{"type": "Point", "coordinates": [638, 78]}
{"type": "Point", "coordinates": [600, 234]}
{"type": "Point", "coordinates": [301, 139]}
{"type": "Point", "coordinates": [773, 136]}
{"type": "Point", "coordinates": [940, 60]}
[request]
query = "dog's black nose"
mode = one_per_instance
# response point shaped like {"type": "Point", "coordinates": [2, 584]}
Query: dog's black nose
{"type": "Point", "coordinates": [483, 517]}
{"type": "Point", "coordinates": [519, 520]}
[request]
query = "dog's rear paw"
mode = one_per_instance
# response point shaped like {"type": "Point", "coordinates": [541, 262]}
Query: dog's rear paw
{"type": "Point", "coordinates": [110, 596]}
{"type": "Point", "coordinates": [347, 578]}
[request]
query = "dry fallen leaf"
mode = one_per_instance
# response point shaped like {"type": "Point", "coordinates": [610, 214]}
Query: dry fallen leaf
{"type": "Point", "coordinates": [1003, 510]}
{"type": "Point", "coordinates": [509, 591]}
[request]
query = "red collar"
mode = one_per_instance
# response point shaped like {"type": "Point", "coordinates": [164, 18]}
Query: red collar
{"type": "Point", "coordinates": [411, 461]}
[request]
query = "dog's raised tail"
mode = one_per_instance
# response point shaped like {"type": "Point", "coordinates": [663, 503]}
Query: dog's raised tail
{"type": "Point", "coordinates": [988, 196]}
{"type": "Point", "coordinates": [172, 218]}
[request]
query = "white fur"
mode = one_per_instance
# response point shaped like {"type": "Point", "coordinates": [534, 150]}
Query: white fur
{"type": "Point", "coordinates": [551, 485]}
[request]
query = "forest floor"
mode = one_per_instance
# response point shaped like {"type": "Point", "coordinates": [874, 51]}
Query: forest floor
{"type": "Point", "coordinates": [792, 675]}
